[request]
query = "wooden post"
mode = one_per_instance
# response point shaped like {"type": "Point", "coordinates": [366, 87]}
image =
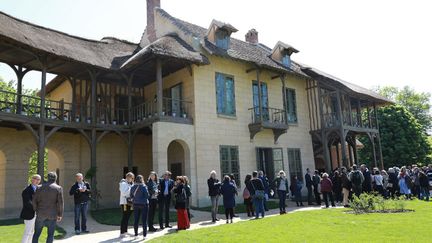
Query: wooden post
{"type": "Point", "coordinates": [20, 76]}
{"type": "Point", "coordinates": [355, 150]}
{"type": "Point", "coordinates": [380, 151]}
{"type": "Point", "coordinates": [326, 153]}
{"type": "Point", "coordinates": [129, 93]}
{"type": "Point", "coordinates": [342, 130]}
{"type": "Point", "coordinates": [159, 81]}
{"type": "Point", "coordinates": [93, 164]}
{"type": "Point", "coordinates": [93, 99]}
{"type": "Point", "coordinates": [43, 114]}
{"type": "Point", "coordinates": [74, 99]}
{"type": "Point", "coordinates": [259, 95]}
{"type": "Point", "coordinates": [41, 137]}
{"type": "Point", "coordinates": [373, 150]}
{"type": "Point", "coordinates": [285, 99]}
{"type": "Point", "coordinates": [359, 113]}
{"type": "Point", "coordinates": [130, 151]}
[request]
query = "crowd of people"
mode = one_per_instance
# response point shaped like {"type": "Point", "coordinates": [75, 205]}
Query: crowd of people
{"type": "Point", "coordinates": [43, 204]}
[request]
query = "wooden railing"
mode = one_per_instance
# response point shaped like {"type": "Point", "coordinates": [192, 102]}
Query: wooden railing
{"type": "Point", "coordinates": [271, 115]}
{"type": "Point", "coordinates": [30, 106]}
{"type": "Point", "coordinates": [353, 119]}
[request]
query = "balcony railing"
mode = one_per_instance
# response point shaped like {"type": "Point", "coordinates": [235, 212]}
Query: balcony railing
{"type": "Point", "coordinates": [30, 106]}
{"type": "Point", "coordinates": [270, 115]}
{"type": "Point", "coordinates": [353, 119]}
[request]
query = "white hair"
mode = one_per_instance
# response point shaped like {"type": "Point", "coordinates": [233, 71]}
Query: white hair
{"type": "Point", "coordinates": [213, 172]}
{"type": "Point", "coordinates": [282, 173]}
{"type": "Point", "coordinates": [79, 174]}
{"type": "Point", "coordinates": [36, 176]}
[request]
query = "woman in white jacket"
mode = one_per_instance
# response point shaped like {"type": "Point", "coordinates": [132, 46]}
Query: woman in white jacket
{"type": "Point", "coordinates": [125, 186]}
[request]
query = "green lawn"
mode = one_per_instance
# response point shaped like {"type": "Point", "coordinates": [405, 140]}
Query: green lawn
{"type": "Point", "coordinates": [11, 231]}
{"type": "Point", "coordinates": [322, 225]}
{"type": "Point", "coordinates": [240, 208]}
{"type": "Point", "coordinates": [113, 216]}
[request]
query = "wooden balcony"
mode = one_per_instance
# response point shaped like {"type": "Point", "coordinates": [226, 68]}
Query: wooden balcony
{"type": "Point", "coordinates": [271, 118]}
{"type": "Point", "coordinates": [353, 120]}
{"type": "Point", "coordinates": [16, 108]}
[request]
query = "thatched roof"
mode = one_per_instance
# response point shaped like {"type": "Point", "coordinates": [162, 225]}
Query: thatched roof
{"type": "Point", "coordinates": [320, 75]}
{"type": "Point", "coordinates": [167, 46]}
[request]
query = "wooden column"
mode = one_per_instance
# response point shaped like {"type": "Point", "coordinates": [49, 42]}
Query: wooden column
{"type": "Point", "coordinates": [159, 86]}
{"type": "Point", "coordinates": [342, 130]}
{"type": "Point", "coordinates": [93, 99]}
{"type": "Point", "coordinates": [326, 153]}
{"type": "Point", "coordinates": [350, 156]}
{"type": "Point", "coordinates": [129, 93]}
{"type": "Point", "coordinates": [359, 113]}
{"type": "Point", "coordinates": [259, 95]}
{"type": "Point", "coordinates": [373, 150]}
{"type": "Point", "coordinates": [43, 92]}
{"type": "Point", "coordinates": [74, 98]}
{"type": "Point", "coordinates": [380, 151]}
{"type": "Point", "coordinates": [41, 132]}
{"type": "Point", "coordinates": [355, 150]}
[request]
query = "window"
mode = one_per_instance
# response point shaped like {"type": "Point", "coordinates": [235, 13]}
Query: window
{"type": "Point", "coordinates": [264, 100]}
{"type": "Point", "coordinates": [229, 160]}
{"type": "Point", "coordinates": [222, 39]}
{"type": "Point", "coordinates": [286, 60]}
{"type": "Point", "coordinates": [291, 105]}
{"type": "Point", "coordinates": [225, 95]}
{"type": "Point", "coordinates": [294, 162]}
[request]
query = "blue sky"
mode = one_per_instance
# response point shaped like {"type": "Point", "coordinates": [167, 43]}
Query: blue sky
{"type": "Point", "coordinates": [365, 42]}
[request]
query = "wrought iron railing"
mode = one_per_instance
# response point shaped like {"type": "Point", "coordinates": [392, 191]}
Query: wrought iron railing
{"type": "Point", "coordinates": [272, 115]}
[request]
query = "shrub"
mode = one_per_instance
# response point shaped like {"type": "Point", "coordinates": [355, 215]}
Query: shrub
{"type": "Point", "coordinates": [368, 203]}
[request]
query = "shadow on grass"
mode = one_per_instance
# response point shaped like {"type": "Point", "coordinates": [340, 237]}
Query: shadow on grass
{"type": "Point", "coordinates": [240, 208]}
{"type": "Point", "coordinates": [14, 225]}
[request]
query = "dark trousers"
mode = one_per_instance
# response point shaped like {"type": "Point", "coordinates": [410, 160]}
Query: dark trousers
{"type": "Point", "coordinates": [357, 190]}
{"type": "Point", "coordinates": [140, 211]}
{"type": "Point", "coordinates": [317, 195]}
{"type": "Point", "coordinates": [229, 213]}
{"type": "Point", "coordinates": [338, 195]}
{"type": "Point", "coordinates": [424, 191]}
{"type": "Point", "coordinates": [310, 197]}
{"type": "Point", "coordinates": [126, 213]}
{"type": "Point", "coordinates": [188, 213]}
{"type": "Point", "coordinates": [164, 205]}
{"type": "Point", "coordinates": [282, 200]}
{"type": "Point", "coordinates": [39, 224]}
{"type": "Point", "coordinates": [326, 197]}
{"type": "Point", "coordinates": [152, 212]}
{"type": "Point", "coordinates": [259, 207]}
{"type": "Point", "coordinates": [380, 190]}
{"type": "Point", "coordinates": [81, 211]}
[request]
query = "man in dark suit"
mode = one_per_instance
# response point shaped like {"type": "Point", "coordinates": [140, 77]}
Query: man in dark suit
{"type": "Point", "coordinates": [27, 212]}
{"type": "Point", "coordinates": [81, 192]}
{"type": "Point", "coordinates": [166, 185]}
{"type": "Point", "coordinates": [48, 205]}
{"type": "Point", "coordinates": [309, 183]}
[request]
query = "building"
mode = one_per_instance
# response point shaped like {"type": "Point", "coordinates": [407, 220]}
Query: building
{"type": "Point", "coordinates": [186, 98]}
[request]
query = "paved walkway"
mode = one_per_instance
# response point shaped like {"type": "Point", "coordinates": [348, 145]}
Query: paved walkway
{"type": "Point", "coordinates": [110, 234]}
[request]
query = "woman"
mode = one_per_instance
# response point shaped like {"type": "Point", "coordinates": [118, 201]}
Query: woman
{"type": "Point", "coordinates": [126, 205]}
{"type": "Point", "coordinates": [385, 182]}
{"type": "Point", "coordinates": [180, 195]}
{"type": "Point", "coordinates": [153, 188]}
{"type": "Point", "coordinates": [139, 194]}
{"type": "Point", "coordinates": [346, 187]}
{"type": "Point", "coordinates": [296, 186]}
{"type": "Point", "coordinates": [404, 183]}
{"type": "Point", "coordinates": [379, 182]}
{"type": "Point", "coordinates": [281, 186]}
{"type": "Point", "coordinates": [248, 198]}
{"type": "Point", "coordinates": [326, 190]}
{"type": "Point", "coordinates": [188, 195]}
{"type": "Point", "coordinates": [214, 193]}
{"type": "Point", "coordinates": [256, 188]}
{"type": "Point", "coordinates": [228, 190]}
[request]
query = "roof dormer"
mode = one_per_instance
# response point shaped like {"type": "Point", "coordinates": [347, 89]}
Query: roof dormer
{"type": "Point", "coordinates": [219, 34]}
{"type": "Point", "coordinates": [282, 53]}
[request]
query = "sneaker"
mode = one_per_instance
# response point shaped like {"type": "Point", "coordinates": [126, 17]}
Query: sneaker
{"type": "Point", "coordinates": [77, 232]}
{"type": "Point", "coordinates": [85, 231]}
{"type": "Point", "coordinates": [227, 221]}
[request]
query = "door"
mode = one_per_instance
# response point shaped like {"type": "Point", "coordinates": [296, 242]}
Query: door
{"type": "Point", "coordinates": [176, 100]}
{"type": "Point", "coordinates": [270, 161]}
{"type": "Point", "coordinates": [176, 169]}
{"type": "Point", "coordinates": [264, 101]}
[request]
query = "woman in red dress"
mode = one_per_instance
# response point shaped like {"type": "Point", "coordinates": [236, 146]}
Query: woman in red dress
{"type": "Point", "coordinates": [180, 194]}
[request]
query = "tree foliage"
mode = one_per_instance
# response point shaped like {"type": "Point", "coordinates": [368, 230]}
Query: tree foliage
{"type": "Point", "coordinates": [403, 139]}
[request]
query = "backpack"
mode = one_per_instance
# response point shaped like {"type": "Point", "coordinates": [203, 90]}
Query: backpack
{"type": "Point", "coordinates": [181, 197]}
{"type": "Point", "coordinates": [356, 178]}
{"type": "Point", "coordinates": [246, 193]}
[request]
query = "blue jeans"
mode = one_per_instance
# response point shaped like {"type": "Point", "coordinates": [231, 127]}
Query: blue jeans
{"type": "Point", "coordinates": [259, 207]}
{"type": "Point", "coordinates": [282, 200]}
{"type": "Point", "coordinates": [140, 211]}
{"type": "Point", "coordinates": [81, 211]}
{"type": "Point", "coordinates": [39, 224]}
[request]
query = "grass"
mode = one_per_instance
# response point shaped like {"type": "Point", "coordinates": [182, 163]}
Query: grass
{"type": "Point", "coordinates": [240, 208]}
{"type": "Point", "coordinates": [11, 231]}
{"type": "Point", "coordinates": [112, 216]}
{"type": "Point", "coordinates": [322, 225]}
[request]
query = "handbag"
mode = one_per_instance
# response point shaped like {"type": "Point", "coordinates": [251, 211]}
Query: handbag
{"type": "Point", "coordinates": [129, 200]}
{"type": "Point", "coordinates": [259, 194]}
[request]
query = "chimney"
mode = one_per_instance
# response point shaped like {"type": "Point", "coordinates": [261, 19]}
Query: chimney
{"type": "Point", "coordinates": [151, 31]}
{"type": "Point", "coordinates": [252, 36]}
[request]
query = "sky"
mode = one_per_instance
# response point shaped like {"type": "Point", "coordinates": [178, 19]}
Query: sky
{"type": "Point", "coordinates": [370, 43]}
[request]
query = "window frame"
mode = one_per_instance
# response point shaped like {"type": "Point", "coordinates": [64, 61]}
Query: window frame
{"type": "Point", "coordinates": [298, 173]}
{"type": "Point", "coordinates": [224, 111]}
{"type": "Point", "coordinates": [287, 102]}
{"type": "Point", "coordinates": [229, 161]}
{"type": "Point", "coordinates": [220, 42]}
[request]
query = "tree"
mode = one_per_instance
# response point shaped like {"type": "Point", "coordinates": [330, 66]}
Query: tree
{"type": "Point", "coordinates": [418, 103]}
{"type": "Point", "coordinates": [403, 139]}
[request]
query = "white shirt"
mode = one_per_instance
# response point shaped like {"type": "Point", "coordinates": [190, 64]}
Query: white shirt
{"type": "Point", "coordinates": [378, 179]}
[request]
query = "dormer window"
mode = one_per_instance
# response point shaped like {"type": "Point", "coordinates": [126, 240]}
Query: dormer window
{"type": "Point", "coordinates": [286, 60]}
{"type": "Point", "coordinates": [222, 39]}
{"type": "Point", "coordinates": [282, 53]}
{"type": "Point", "coordinates": [219, 34]}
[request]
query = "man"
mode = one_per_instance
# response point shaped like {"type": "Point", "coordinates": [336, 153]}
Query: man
{"type": "Point", "coordinates": [166, 185]}
{"type": "Point", "coordinates": [81, 192]}
{"type": "Point", "coordinates": [265, 182]}
{"type": "Point", "coordinates": [48, 205]}
{"type": "Point", "coordinates": [367, 183]}
{"type": "Point", "coordinates": [309, 183]}
{"type": "Point", "coordinates": [27, 212]}
{"type": "Point", "coordinates": [357, 179]}
{"type": "Point", "coordinates": [346, 187]}
{"type": "Point", "coordinates": [316, 180]}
